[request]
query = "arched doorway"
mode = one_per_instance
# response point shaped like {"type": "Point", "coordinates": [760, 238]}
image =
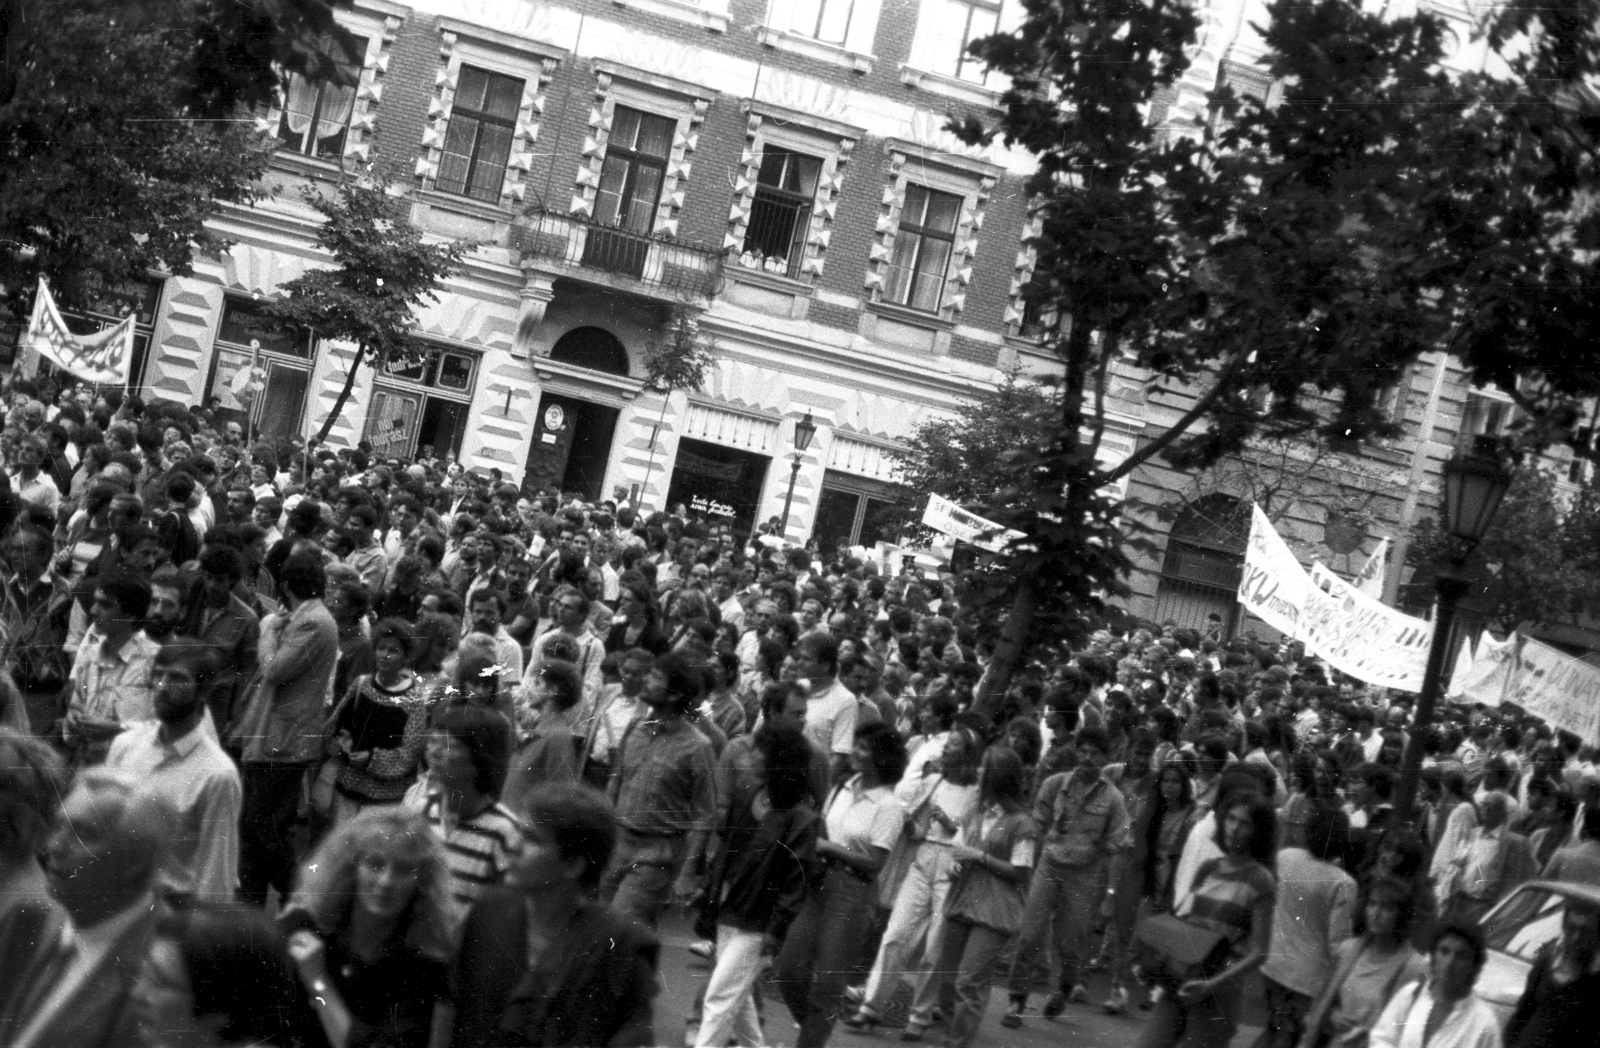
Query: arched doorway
{"type": "Point", "coordinates": [572, 436]}
{"type": "Point", "coordinates": [1205, 558]}
{"type": "Point", "coordinates": [592, 347]}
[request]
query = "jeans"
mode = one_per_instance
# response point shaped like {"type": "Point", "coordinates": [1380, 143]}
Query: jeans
{"type": "Point", "coordinates": [638, 883]}
{"type": "Point", "coordinates": [1286, 1016]}
{"type": "Point", "coordinates": [267, 817]}
{"type": "Point", "coordinates": [821, 949]}
{"type": "Point", "coordinates": [1061, 900]}
{"type": "Point", "coordinates": [917, 910]}
{"type": "Point", "coordinates": [1209, 1022]}
{"type": "Point", "coordinates": [729, 1011]}
{"type": "Point", "coordinates": [969, 957]}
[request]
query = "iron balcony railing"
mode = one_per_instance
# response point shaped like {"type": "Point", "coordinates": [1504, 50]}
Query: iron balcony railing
{"type": "Point", "coordinates": [660, 262]}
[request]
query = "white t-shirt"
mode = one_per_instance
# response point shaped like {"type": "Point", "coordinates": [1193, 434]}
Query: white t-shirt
{"type": "Point", "coordinates": [831, 719]}
{"type": "Point", "coordinates": [860, 818]}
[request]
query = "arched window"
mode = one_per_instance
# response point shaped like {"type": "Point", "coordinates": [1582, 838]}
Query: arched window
{"type": "Point", "coordinates": [1205, 557]}
{"type": "Point", "coordinates": [594, 348]}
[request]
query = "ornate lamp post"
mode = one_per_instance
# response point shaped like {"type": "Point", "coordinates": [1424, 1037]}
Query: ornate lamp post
{"type": "Point", "coordinates": [804, 430]}
{"type": "Point", "coordinates": [1474, 484]}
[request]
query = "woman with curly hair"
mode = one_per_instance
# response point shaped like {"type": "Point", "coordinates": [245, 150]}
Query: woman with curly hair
{"type": "Point", "coordinates": [369, 929]}
{"type": "Point", "coordinates": [32, 782]}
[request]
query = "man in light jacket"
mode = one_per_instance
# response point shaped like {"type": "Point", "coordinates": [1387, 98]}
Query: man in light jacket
{"type": "Point", "coordinates": [280, 732]}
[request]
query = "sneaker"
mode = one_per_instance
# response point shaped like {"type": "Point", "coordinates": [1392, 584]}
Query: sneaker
{"type": "Point", "coordinates": [1055, 1004]}
{"type": "Point", "coordinates": [864, 1020]}
{"type": "Point", "coordinates": [1013, 1017]}
{"type": "Point", "coordinates": [1117, 1003]}
{"type": "Point", "coordinates": [1079, 994]}
{"type": "Point", "coordinates": [913, 1031]}
{"type": "Point", "coordinates": [704, 949]}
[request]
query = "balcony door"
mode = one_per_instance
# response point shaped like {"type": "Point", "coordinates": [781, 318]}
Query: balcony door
{"type": "Point", "coordinates": [630, 190]}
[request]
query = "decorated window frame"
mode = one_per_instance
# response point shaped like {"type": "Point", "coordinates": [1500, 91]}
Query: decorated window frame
{"type": "Point", "coordinates": [853, 49]}
{"type": "Point", "coordinates": [463, 44]}
{"type": "Point", "coordinates": [971, 179]}
{"type": "Point", "coordinates": [378, 23]}
{"type": "Point", "coordinates": [684, 103]}
{"type": "Point", "coordinates": [921, 69]}
{"type": "Point", "coordinates": [770, 127]}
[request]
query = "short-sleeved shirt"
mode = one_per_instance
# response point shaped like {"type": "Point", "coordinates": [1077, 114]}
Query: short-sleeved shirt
{"type": "Point", "coordinates": [831, 719]}
{"type": "Point", "coordinates": [663, 778]}
{"type": "Point", "coordinates": [479, 850]}
{"type": "Point", "coordinates": [1224, 899]}
{"type": "Point", "coordinates": [864, 818]}
{"type": "Point", "coordinates": [1024, 850]}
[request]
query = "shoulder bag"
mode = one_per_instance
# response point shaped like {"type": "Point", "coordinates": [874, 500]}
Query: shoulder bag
{"type": "Point", "coordinates": [1173, 950]}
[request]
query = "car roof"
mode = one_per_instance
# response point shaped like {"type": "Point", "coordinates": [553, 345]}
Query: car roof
{"type": "Point", "coordinates": [1570, 889]}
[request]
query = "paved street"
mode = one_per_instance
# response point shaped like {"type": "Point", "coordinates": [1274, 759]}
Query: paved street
{"type": "Point", "coordinates": [1080, 1026]}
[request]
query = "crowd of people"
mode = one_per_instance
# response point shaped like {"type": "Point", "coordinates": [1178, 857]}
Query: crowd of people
{"type": "Point", "coordinates": [310, 747]}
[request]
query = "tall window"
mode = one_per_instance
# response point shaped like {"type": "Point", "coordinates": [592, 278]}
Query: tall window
{"type": "Point", "coordinates": [316, 114]}
{"type": "Point", "coordinates": [955, 25]}
{"type": "Point", "coordinates": [824, 20]}
{"type": "Point", "coordinates": [477, 143]}
{"type": "Point", "coordinates": [1487, 416]}
{"type": "Point", "coordinates": [635, 166]}
{"type": "Point", "coordinates": [922, 247]}
{"type": "Point", "coordinates": [781, 212]}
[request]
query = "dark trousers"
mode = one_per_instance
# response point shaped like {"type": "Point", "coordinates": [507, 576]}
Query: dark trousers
{"type": "Point", "coordinates": [266, 828]}
{"type": "Point", "coordinates": [820, 954]}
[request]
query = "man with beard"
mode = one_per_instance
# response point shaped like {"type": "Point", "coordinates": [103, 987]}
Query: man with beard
{"type": "Point", "coordinates": [219, 619]}
{"type": "Point", "coordinates": [177, 758]}
{"type": "Point", "coordinates": [484, 616]}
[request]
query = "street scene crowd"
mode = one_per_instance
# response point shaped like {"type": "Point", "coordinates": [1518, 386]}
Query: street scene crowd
{"type": "Point", "coordinates": [315, 747]}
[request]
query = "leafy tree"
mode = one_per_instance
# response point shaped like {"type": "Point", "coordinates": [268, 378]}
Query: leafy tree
{"type": "Point", "coordinates": [104, 178]}
{"type": "Point", "coordinates": [682, 359]}
{"type": "Point", "coordinates": [1539, 564]}
{"type": "Point", "coordinates": [1272, 272]}
{"type": "Point", "coordinates": [237, 50]}
{"type": "Point", "coordinates": [385, 269]}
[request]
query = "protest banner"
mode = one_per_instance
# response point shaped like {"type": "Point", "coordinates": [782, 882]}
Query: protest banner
{"type": "Point", "coordinates": [946, 517]}
{"type": "Point", "coordinates": [1362, 637]}
{"type": "Point", "coordinates": [104, 357]}
{"type": "Point", "coordinates": [1274, 587]}
{"type": "Point", "coordinates": [1560, 690]}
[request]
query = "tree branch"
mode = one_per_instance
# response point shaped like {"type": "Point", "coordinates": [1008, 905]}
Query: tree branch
{"type": "Point", "coordinates": [1144, 454]}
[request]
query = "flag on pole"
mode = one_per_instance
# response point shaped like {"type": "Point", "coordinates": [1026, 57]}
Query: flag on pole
{"type": "Point", "coordinates": [103, 358]}
{"type": "Point", "coordinates": [1370, 580]}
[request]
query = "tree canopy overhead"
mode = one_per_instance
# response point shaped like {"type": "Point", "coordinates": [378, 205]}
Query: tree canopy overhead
{"type": "Point", "coordinates": [1275, 269]}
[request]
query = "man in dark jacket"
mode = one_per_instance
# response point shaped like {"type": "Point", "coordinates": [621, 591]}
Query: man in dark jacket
{"type": "Point", "coordinates": [1557, 1003]}
{"type": "Point", "coordinates": [541, 961]}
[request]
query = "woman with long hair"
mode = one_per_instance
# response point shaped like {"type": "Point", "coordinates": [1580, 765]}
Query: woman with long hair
{"type": "Point", "coordinates": [1403, 856]}
{"type": "Point", "coordinates": [864, 820]}
{"type": "Point", "coordinates": [1305, 796]}
{"type": "Point", "coordinates": [994, 852]}
{"type": "Point", "coordinates": [369, 929]}
{"type": "Point", "coordinates": [1366, 970]}
{"type": "Point", "coordinates": [1232, 895]}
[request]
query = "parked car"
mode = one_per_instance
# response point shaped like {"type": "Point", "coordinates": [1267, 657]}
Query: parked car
{"type": "Point", "coordinates": [1516, 930]}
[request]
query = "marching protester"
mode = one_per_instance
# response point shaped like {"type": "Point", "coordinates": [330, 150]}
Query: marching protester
{"type": "Point", "coordinates": [464, 746]}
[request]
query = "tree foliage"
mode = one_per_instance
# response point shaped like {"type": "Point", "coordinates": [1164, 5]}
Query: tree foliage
{"type": "Point", "coordinates": [104, 177]}
{"type": "Point", "coordinates": [1538, 565]}
{"type": "Point", "coordinates": [1274, 271]}
{"type": "Point", "coordinates": [385, 270]}
{"type": "Point", "coordinates": [681, 359]}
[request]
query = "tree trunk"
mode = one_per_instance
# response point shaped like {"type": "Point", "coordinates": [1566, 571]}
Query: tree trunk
{"type": "Point", "coordinates": [343, 397]}
{"type": "Point", "coordinates": [1008, 652]}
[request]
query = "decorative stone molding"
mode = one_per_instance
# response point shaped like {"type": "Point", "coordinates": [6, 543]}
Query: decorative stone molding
{"type": "Point", "coordinates": [833, 143]}
{"type": "Point", "coordinates": [380, 32]}
{"type": "Point", "coordinates": [972, 180]}
{"type": "Point", "coordinates": [458, 45]}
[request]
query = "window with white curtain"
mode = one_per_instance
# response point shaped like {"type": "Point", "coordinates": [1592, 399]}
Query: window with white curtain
{"type": "Point", "coordinates": [316, 114]}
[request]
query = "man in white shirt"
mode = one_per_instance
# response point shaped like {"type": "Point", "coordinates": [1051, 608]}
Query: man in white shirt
{"type": "Point", "coordinates": [1441, 1010]}
{"type": "Point", "coordinates": [110, 679]}
{"type": "Point", "coordinates": [34, 486]}
{"type": "Point", "coordinates": [830, 707]}
{"type": "Point", "coordinates": [570, 610]}
{"type": "Point", "coordinates": [177, 759]}
{"type": "Point", "coordinates": [484, 613]}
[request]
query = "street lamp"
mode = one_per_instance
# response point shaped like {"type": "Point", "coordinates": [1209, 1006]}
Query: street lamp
{"type": "Point", "coordinates": [804, 430]}
{"type": "Point", "coordinates": [1474, 485]}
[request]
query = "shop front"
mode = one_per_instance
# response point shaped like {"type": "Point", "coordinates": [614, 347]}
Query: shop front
{"type": "Point", "coordinates": [718, 482]}
{"type": "Point", "coordinates": [420, 406]}
{"type": "Point", "coordinates": [275, 403]}
{"type": "Point", "coordinates": [571, 447]}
